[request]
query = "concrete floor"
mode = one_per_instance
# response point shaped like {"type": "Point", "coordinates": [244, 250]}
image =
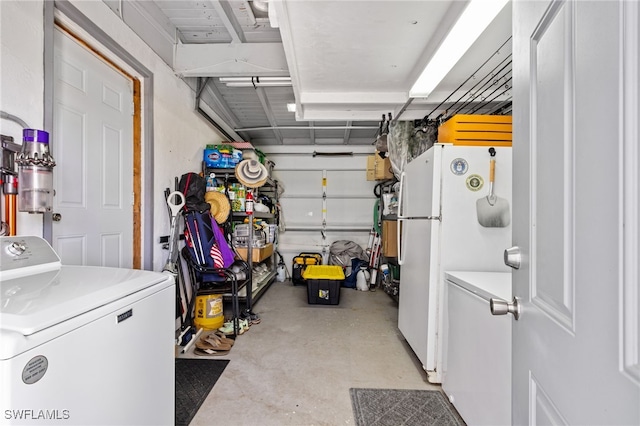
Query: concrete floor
{"type": "Point", "coordinates": [297, 365]}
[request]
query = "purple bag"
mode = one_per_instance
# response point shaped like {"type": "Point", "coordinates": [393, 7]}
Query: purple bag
{"type": "Point", "coordinates": [226, 252]}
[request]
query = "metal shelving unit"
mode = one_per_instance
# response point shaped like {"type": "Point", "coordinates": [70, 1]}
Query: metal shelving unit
{"type": "Point", "coordinates": [253, 289]}
{"type": "Point", "coordinates": [392, 288]}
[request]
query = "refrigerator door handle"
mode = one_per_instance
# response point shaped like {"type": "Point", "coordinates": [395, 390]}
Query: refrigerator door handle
{"type": "Point", "coordinates": [399, 222]}
{"type": "Point", "coordinates": [399, 241]}
{"type": "Point", "coordinates": [401, 190]}
{"type": "Point", "coordinates": [420, 217]}
{"type": "Point", "coordinates": [402, 216]}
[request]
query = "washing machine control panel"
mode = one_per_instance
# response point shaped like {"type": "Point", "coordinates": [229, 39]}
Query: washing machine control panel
{"type": "Point", "coordinates": [20, 253]}
{"type": "Point", "coordinates": [16, 248]}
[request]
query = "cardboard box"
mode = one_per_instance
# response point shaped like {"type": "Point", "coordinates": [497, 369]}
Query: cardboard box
{"type": "Point", "coordinates": [390, 238]}
{"type": "Point", "coordinates": [477, 130]}
{"type": "Point", "coordinates": [378, 168]}
{"type": "Point", "coordinates": [257, 254]}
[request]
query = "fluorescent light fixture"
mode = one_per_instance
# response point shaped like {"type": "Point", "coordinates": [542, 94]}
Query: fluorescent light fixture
{"type": "Point", "coordinates": [256, 81]}
{"type": "Point", "coordinates": [291, 107]}
{"type": "Point", "coordinates": [261, 84]}
{"type": "Point", "coordinates": [474, 20]}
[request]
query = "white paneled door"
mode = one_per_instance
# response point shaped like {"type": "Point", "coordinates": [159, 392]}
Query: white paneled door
{"type": "Point", "coordinates": [576, 204]}
{"type": "Point", "coordinates": [93, 148]}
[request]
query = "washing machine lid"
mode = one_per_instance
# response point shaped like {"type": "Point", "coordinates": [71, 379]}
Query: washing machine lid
{"type": "Point", "coordinates": [35, 302]}
{"type": "Point", "coordinates": [484, 284]}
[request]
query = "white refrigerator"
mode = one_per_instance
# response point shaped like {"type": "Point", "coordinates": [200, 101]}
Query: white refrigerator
{"type": "Point", "coordinates": [439, 231]}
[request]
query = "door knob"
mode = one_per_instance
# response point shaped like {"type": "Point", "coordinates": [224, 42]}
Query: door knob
{"type": "Point", "coordinates": [513, 257]}
{"type": "Point", "coordinates": [502, 307]}
{"type": "Point", "coordinates": [56, 217]}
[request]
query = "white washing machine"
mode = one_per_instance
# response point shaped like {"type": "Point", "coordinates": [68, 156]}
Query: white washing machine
{"type": "Point", "coordinates": [83, 345]}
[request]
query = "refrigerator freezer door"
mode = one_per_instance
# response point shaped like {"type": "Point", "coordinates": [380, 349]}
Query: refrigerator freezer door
{"type": "Point", "coordinates": [421, 187]}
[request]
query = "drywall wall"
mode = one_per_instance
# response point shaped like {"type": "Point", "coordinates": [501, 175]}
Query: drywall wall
{"type": "Point", "coordinates": [179, 133]}
{"type": "Point", "coordinates": [350, 198]}
{"type": "Point", "coordinates": [22, 79]}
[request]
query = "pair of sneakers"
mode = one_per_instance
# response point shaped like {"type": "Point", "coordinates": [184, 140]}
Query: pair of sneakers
{"type": "Point", "coordinates": [251, 317]}
{"type": "Point", "coordinates": [228, 329]}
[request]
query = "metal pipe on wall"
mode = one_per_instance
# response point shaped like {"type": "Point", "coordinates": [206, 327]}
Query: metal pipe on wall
{"type": "Point", "coordinates": [9, 179]}
{"type": "Point", "coordinates": [11, 213]}
{"type": "Point", "coordinates": [14, 118]}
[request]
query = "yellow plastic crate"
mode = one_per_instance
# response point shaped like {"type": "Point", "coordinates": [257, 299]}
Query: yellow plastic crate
{"type": "Point", "coordinates": [323, 272]}
{"type": "Point", "coordinates": [323, 284]}
{"type": "Point", "coordinates": [477, 130]}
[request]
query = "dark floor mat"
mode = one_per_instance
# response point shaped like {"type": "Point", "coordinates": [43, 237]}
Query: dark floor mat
{"type": "Point", "coordinates": [194, 380]}
{"type": "Point", "coordinates": [396, 407]}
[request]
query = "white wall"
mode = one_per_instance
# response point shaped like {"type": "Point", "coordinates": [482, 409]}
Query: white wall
{"type": "Point", "coordinates": [22, 79]}
{"type": "Point", "coordinates": [180, 134]}
{"type": "Point", "coordinates": [350, 197]}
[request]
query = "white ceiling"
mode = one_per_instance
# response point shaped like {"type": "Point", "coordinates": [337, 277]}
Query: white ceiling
{"type": "Point", "coordinates": [350, 62]}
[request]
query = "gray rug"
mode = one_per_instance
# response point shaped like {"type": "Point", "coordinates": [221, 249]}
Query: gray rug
{"type": "Point", "coordinates": [194, 380]}
{"type": "Point", "coordinates": [396, 407]}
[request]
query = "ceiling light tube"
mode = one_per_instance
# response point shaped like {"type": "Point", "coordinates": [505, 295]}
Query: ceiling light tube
{"type": "Point", "coordinates": [474, 20]}
{"type": "Point", "coordinates": [254, 79]}
{"type": "Point", "coordinates": [261, 84]}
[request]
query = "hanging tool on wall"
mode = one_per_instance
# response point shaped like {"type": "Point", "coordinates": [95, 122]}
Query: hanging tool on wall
{"type": "Point", "coordinates": [493, 211]}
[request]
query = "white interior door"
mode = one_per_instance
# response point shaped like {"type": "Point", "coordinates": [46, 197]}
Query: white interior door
{"type": "Point", "coordinates": [93, 179]}
{"type": "Point", "coordinates": [575, 347]}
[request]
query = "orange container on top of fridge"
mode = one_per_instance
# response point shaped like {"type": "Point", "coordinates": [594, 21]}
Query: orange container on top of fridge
{"type": "Point", "coordinates": [476, 130]}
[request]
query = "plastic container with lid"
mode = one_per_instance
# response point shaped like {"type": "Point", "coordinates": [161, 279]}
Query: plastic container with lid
{"type": "Point", "coordinates": [209, 311]}
{"type": "Point", "coordinates": [323, 284]}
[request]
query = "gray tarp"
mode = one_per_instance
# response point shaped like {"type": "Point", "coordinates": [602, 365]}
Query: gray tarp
{"type": "Point", "coordinates": [341, 252]}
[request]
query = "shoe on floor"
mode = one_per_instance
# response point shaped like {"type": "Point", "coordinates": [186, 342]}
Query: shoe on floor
{"type": "Point", "coordinates": [228, 330]}
{"type": "Point", "coordinates": [212, 344]}
{"type": "Point", "coordinates": [209, 352]}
